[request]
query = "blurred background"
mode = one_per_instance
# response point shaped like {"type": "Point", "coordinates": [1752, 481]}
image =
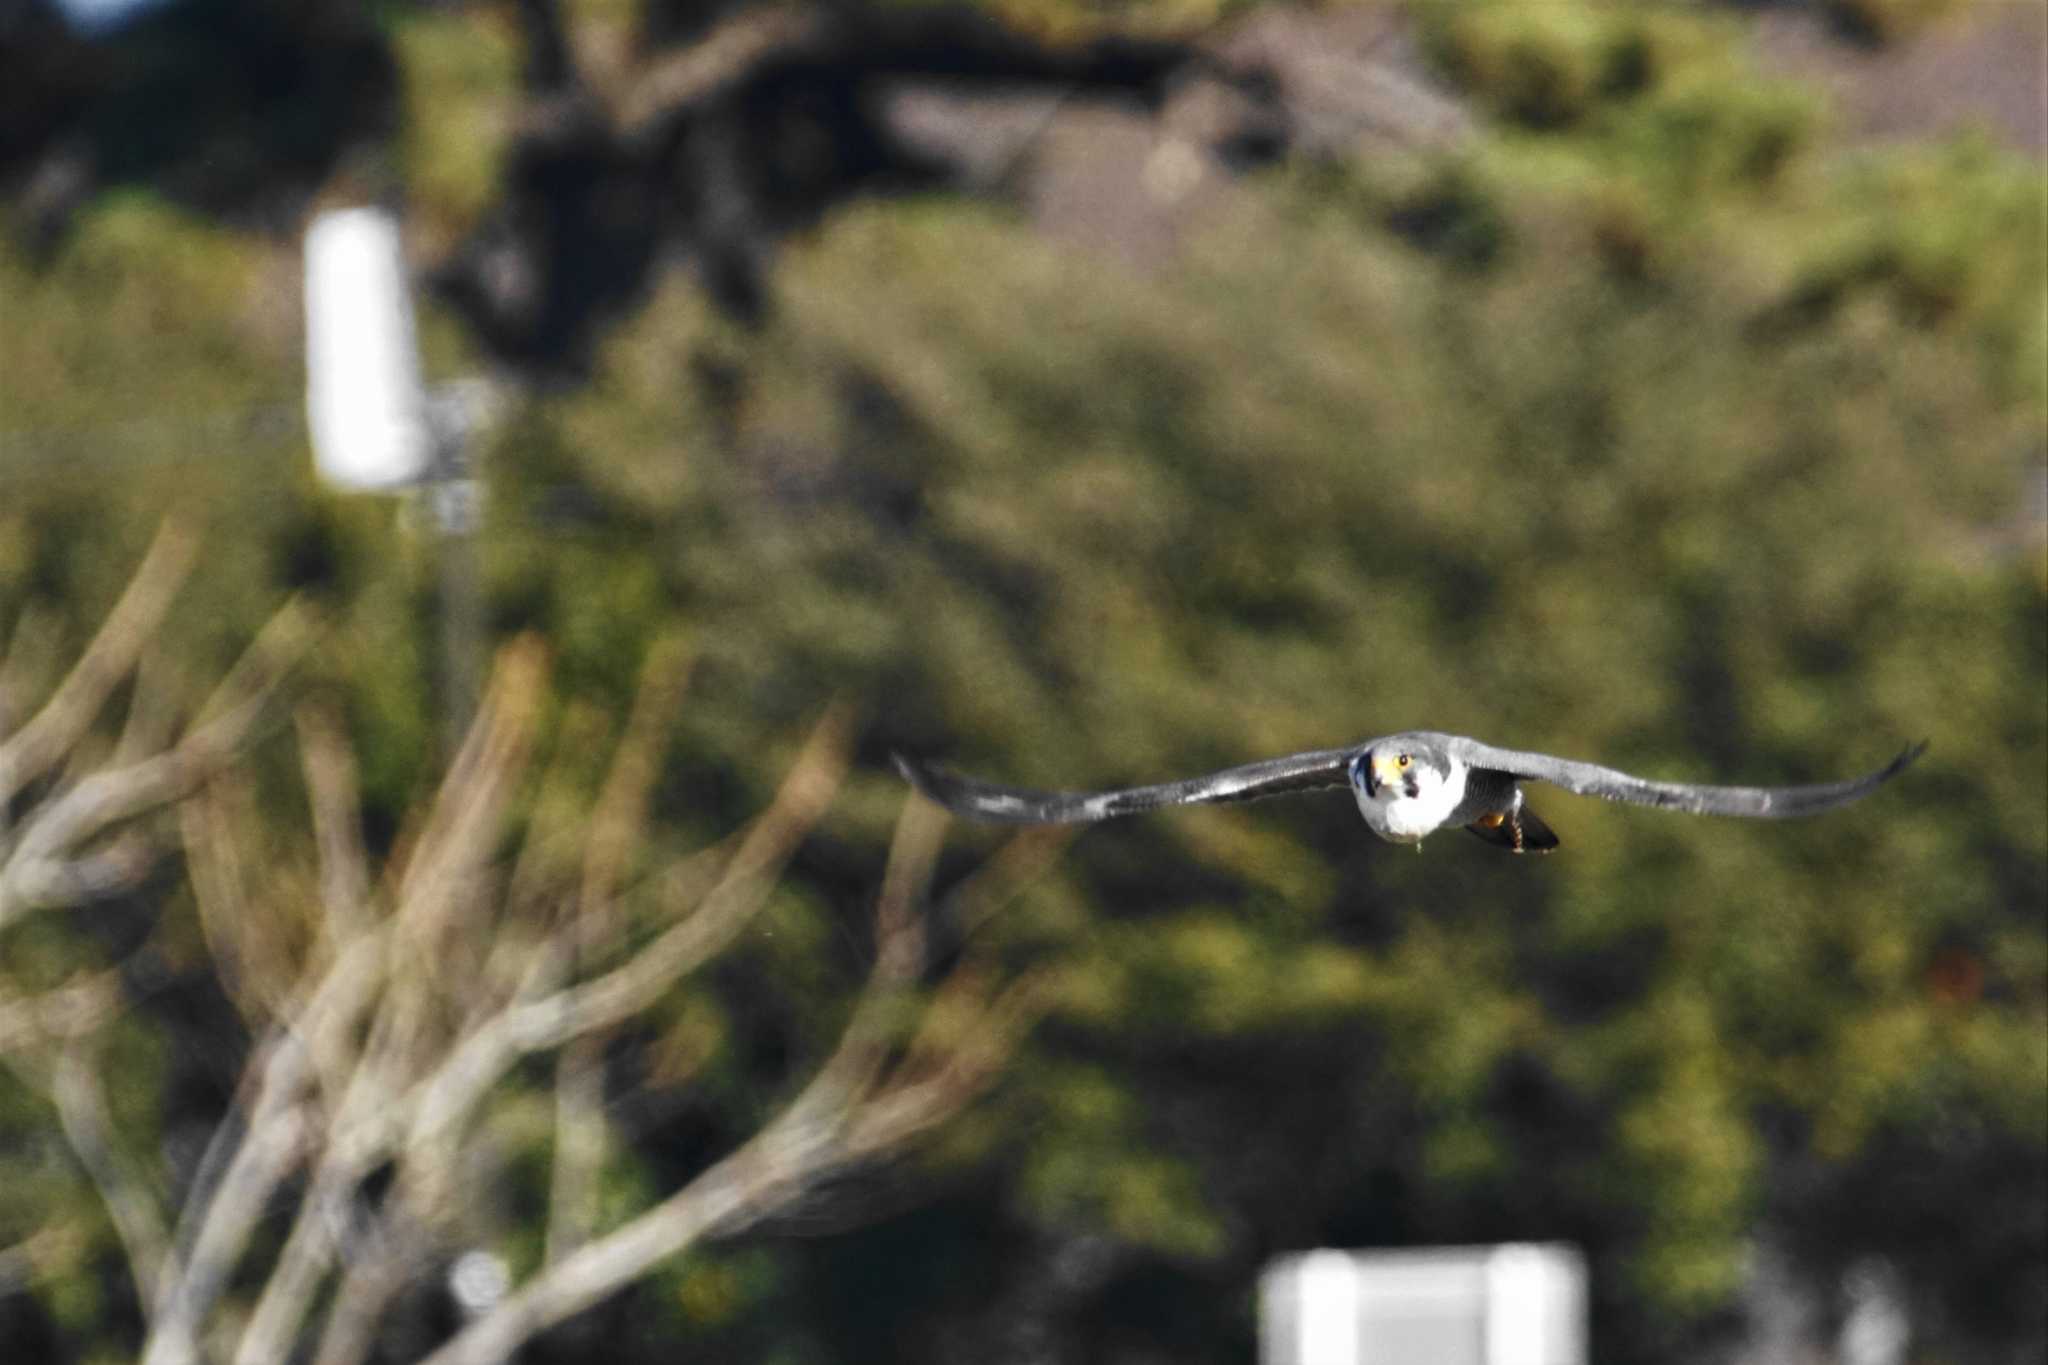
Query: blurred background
{"type": "Point", "coordinates": [1078, 394]}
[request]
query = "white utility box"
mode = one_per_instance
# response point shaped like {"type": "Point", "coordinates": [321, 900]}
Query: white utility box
{"type": "Point", "coordinates": [1518, 1303]}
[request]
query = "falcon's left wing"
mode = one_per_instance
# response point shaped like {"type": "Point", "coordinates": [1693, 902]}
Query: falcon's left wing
{"type": "Point", "coordinates": [1590, 779]}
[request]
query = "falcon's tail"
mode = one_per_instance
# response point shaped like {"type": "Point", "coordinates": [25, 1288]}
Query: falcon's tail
{"type": "Point", "coordinates": [1518, 831]}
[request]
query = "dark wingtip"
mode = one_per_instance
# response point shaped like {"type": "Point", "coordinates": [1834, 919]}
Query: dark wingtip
{"type": "Point", "coordinates": [1907, 757]}
{"type": "Point", "coordinates": [913, 772]}
{"type": "Point", "coordinates": [935, 785]}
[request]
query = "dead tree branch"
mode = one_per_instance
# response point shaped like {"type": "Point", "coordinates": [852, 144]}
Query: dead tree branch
{"type": "Point", "coordinates": [49, 857]}
{"type": "Point", "coordinates": [394, 1001]}
{"type": "Point", "coordinates": [419, 988]}
{"type": "Point", "coordinates": [72, 802]}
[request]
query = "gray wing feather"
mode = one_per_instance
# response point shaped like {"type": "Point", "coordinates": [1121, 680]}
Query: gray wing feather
{"type": "Point", "coordinates": [1590, 779]}
{"type": "Point", "coordinates": [979, 800]}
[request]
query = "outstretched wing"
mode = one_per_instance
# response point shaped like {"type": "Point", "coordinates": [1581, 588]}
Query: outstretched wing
{"type": "Point", "coordinates": [1590, 779]}
{"type": "Point", "coordinates": [1021, 806]}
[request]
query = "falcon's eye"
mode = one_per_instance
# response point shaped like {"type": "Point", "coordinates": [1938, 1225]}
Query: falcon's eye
{"type": "Point", "coordinates": [1401, 762]}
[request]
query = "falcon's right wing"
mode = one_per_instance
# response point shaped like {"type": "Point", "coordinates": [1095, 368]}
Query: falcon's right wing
{"type": "Point", "coordinates": [979, 800]}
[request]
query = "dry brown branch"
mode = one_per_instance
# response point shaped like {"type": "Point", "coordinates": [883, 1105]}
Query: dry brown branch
{"type": "Point", "coordinates": [45, 1254]}
{"type": "Point", "coordinates": [724, 55]}
{"type": "Point", "coordinates": [1012, 868]}
{"type": "Point", "coordinates": [272, 1139]}
{"type": "Point", "coordinates": [152, 720]}
{"type": "Point", "coordinates": [948, 1066]}
{"type": "Point", "coordinates": [310, 1249]}
{"type": "Point", "coordinates": [330, 771]}
{"type": "Point", "coordinates": [618, 823]}
{"type": "Point", "coordinates": [77, 835]}
{"type": "Point", "coordinates": [445, 860]}
{"type": "Point", "coordinates": [55, 730]}
{"type": "Point", "coordinates": [549, 856]}
{"type": "Point", "coordinates": [899, 957]}
{"type": "Point", "coordinates": [351, 1331]}
{"type": "Point", "coordinates": [46, 861]}
{"type": "Point", "coordinates": [616, 829]}
{"type": "Point", "coordinates": [29, 1024]}
{"type": "Point", "coordinates": [393, 1026]}
{"type": "Point", "coordinates": [308, 1254]}
{"type": "Point", "coordinates": [533, 1024]}
{"type": "Point", "coordinates": [213, 859]}
{"type": "Point", "coordinates": [356, 1123]}
{"type": "Point", "coordinates": [582, 1138]}
{"type": "Point", "coordinates": [265, 1156]}
{"type": "Point", "coordinates": [130, 1202]}
{"type": "Point", "coordinates": [844, 1114]}
{"type": "Point", "coordinates": [467, 812]}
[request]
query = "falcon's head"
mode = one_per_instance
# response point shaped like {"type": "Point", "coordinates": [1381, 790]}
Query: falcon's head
{"type": "Point", "coordinates": [1394, 768]}
{"type": "Point", "coordinates": [1405, 787]}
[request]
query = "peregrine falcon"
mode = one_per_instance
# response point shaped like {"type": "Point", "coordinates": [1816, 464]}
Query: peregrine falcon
{"type": "Point", "coordinates": [1407, 786]}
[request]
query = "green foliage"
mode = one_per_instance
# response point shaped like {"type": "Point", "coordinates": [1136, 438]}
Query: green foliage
{"type": "Point", "coordinates": [1885, 21]}
{"type": "Point", "coordinates": [1549, 66]}
{"type": "Point", "coordinates": [155, 335]}
{"type": "Point", "coordinates": [460, 79]}
{"type": "Point", "coordinates": [1274, 501]}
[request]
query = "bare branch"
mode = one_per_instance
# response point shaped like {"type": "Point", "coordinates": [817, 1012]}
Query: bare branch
{"type": "Point", "coordinates": [581, 1140]}
{"type": "Point", "coordinates": [33, 872]}
{"type": "Point", "coordinates": [51, 733]}
{"type": "Point", "coordinates": [212, 857]}
{"type": "Point", "coordinates": [268, 1152]}
{"type": "Point", "coordinates": [330, 771]}
{"type": "Point", "coordinates": [1013, 867]}
{"type": "Point", "coordinates": [384, 1034]}
{"type": "Point", "coordinates": [936, 1083]}
{"type": "Point", "coordinates": [616, 830]}
{"type": "Point", "coordinates": [308, 1254]}
{"type": "Point", "coordinates": [73, 1010]}
{"type": "Point", "coordinates": [453, 845]}
{"type": "Point", "coordinates": [45, 1254]}
{"type": "Point", "coordinates": [775, 1165]}
{"type": "Point", "coordinates": [138, 1221]}
{"type": "Point", "coordinates": [532, 1025]}
{"type": "Point", "coordinates": [826, 1126]}
{"type": "Point", "coordinates": [899, 957]}
{"type": "Point", "coordinates": [616, 826]}
{"type": "Point", "coordinates": [353, 1142]}
{"type": "Point", "coordinates": [152, 720]}
{"type": "Point", "coordinates": [448, 862]}
{"type": "Point", "coordinates": [721, 56]}
{"type": "Point", "coordinates": [274, 1135]}
{"type": "Point", "coordinates": [117, 866]}
{"type": "Point", "coordinates": [472, 798]}
{"type": "Point", "coordinates": [358, 1307]}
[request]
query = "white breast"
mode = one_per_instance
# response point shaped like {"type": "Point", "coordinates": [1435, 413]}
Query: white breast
{"type": "Point", "coordinates": [1404, 819]}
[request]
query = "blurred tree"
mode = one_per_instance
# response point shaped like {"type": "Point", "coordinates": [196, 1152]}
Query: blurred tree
{"type": "Point", "coordinates": [236, 109]}
{"type": "Point", "coordinates": [1676, 433]}
{"type": "Point", "coordinates": [391, 1010]}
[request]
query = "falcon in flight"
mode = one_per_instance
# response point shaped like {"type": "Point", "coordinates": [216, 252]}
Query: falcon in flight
{"type": "Point", "coordinates": [1407, 786]}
